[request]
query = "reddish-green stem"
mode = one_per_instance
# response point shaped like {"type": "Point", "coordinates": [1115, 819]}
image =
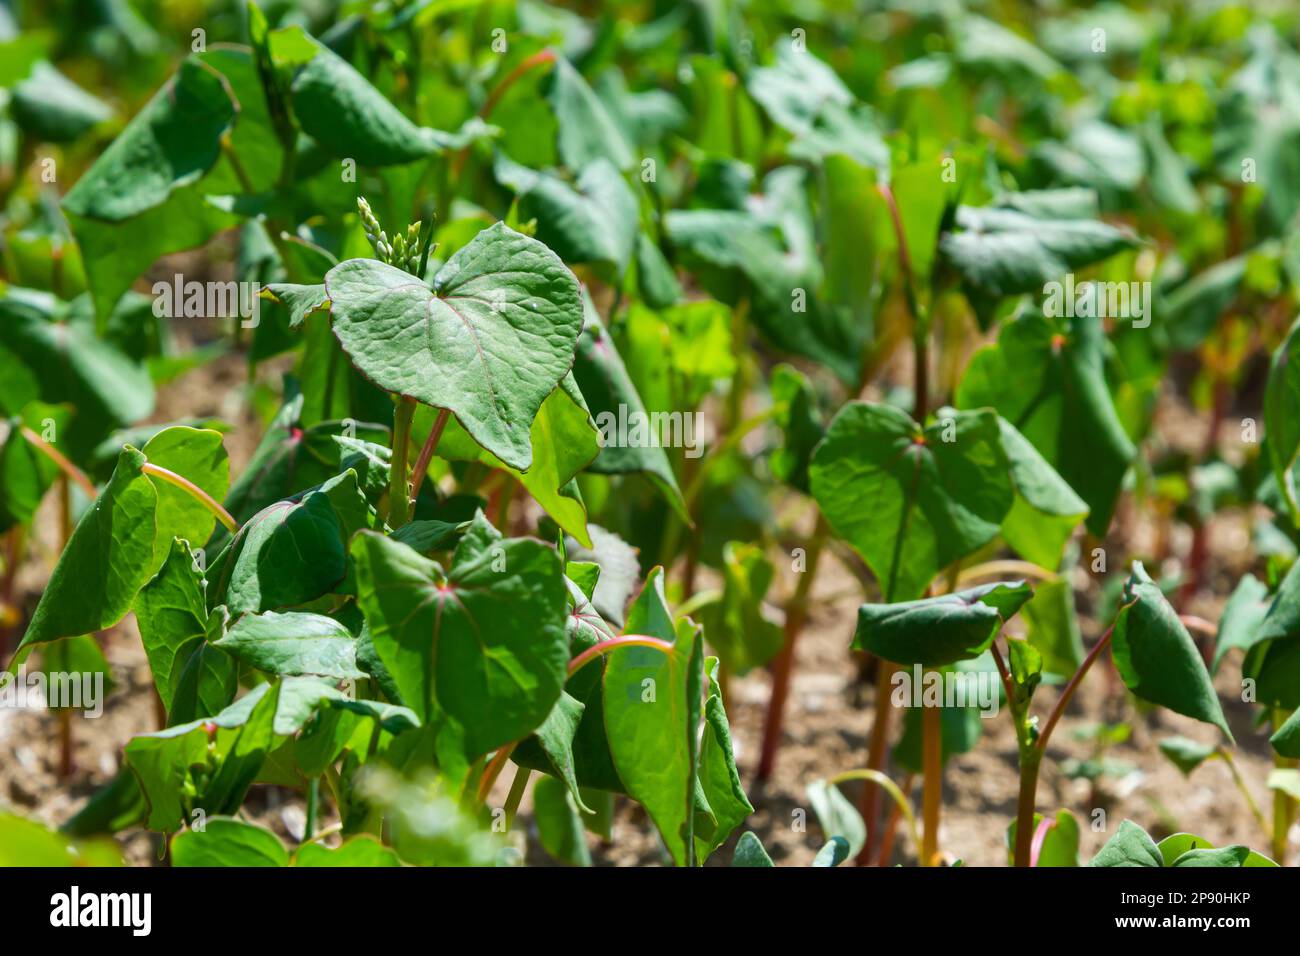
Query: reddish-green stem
{"type": "Point", "coordinates": [56, 456]}
{"type": "Point", "coordinates": [931, 783]}
{"type": "Point", "coordinates": [1072, 686]}
{"type": "Point", "coordinates": [426, 453]}
{"type": "Point", "coordinates": [194, 491]}
{"type": "Point", "coordinates": [870, 799]}
{"type": "Point", "coordinates": [796, 614]}
{"type": "Point", "coordinates": [613, 644]}
{"type": "Point", "coordinates": [540, 58]}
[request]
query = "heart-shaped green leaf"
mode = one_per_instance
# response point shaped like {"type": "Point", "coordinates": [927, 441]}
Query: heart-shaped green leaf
{"type": "Point", "coordinates": [482, 644]}
{"type": "Point", "coordinates": [290, 552]}
{"type": "Point", "coordinates": [489, 342]}
{"type": "Point", "coordinates": [911, 501]}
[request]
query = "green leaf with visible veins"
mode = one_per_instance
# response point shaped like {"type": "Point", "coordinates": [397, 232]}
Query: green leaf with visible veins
{"type": "Point", "coordinates": [750, 852]}
{"type": "Point", "coordinates": [107, 560]}
{"type": "Point", "coordinates": [193, 679]}
{"type": "Point", "coordinates": [1157, 658]}
{"type": "Point", "coordinates": [291, 552]}
{"type": "Point", "coordinates": [652, 712]}
{"type": "Point", "coordinates": [939, 630]}
{"type": "Point", "coordinates": [563, 442]}
{"type": "Point", "coordinates": [1003, 251]}
{"type": "Point", "coordinates": [292, 644]}
{"type": "Point", "coordinates": [1046, 377]}
{"type": "Point", "coordinates": [300, 300]}
{"type": "Point", "coordinates": [908, 500]}
{"type": "Point", "coordinates": [199, 455]}
{"type": "Point", "coordinates": [489, 342]}
{"type": "Point", "coordinates": [340, 109]}
{"type": "Point", "coordinates": [481, 645]}
{"type": "Point", "coordinates": [225, 841]}
{"type": "Point", "coordinates": [1130, 846]}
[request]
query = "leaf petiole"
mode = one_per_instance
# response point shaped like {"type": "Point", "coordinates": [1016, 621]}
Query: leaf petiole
{"type": "Point", "coordinates": [195, 492]}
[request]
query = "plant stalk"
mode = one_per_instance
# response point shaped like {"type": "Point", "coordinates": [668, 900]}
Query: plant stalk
{"type": "Point", "coordinates": [313, 804]}
{"type": "Point", "coordinates": [195, 492]}
{"type": "Point", "coordinates": [517, 787]}
{"type": "Point", "coordinates": [932, 782]}
{"type": "Point", "coordinates": [870, 799]}
{"type": "Point", "coordinates": [59, 459]}
{"type": "Point", "coordinates": [1240, 781]}
{"type": "Point", "coordinates": [399, 500]}
{"type": "Point", "coordinates": [426, 453]}
{"type": "Point", "coordinates": [796, 614]}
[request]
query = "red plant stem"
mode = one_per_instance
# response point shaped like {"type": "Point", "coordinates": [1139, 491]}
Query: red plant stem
{"type": "Point", "coordinates": [1031, 759]}
{"type": "Point", "coordinates": [796, 615]}
{"type": "Point", "coordinates": [494, 770]}
{"type": "Point", "coordinates": [1072, 686]}
{"type": "Point", "coordinates": [56, 456]}
{"type": "Point", "coordinates": [426, 453]}
{"type": "Point", "coordinates": [194, 491]}
{"type": "Point", "coordinates": [891, 826]}
{"type": "Point", "coordinates": [613, 644]}
{"type": "Point", "coordinates": [932, 782]}
{"type": "Point", "coordinates": [870, 800]}
{"type": "Point", "coordinates": [539, 58]}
